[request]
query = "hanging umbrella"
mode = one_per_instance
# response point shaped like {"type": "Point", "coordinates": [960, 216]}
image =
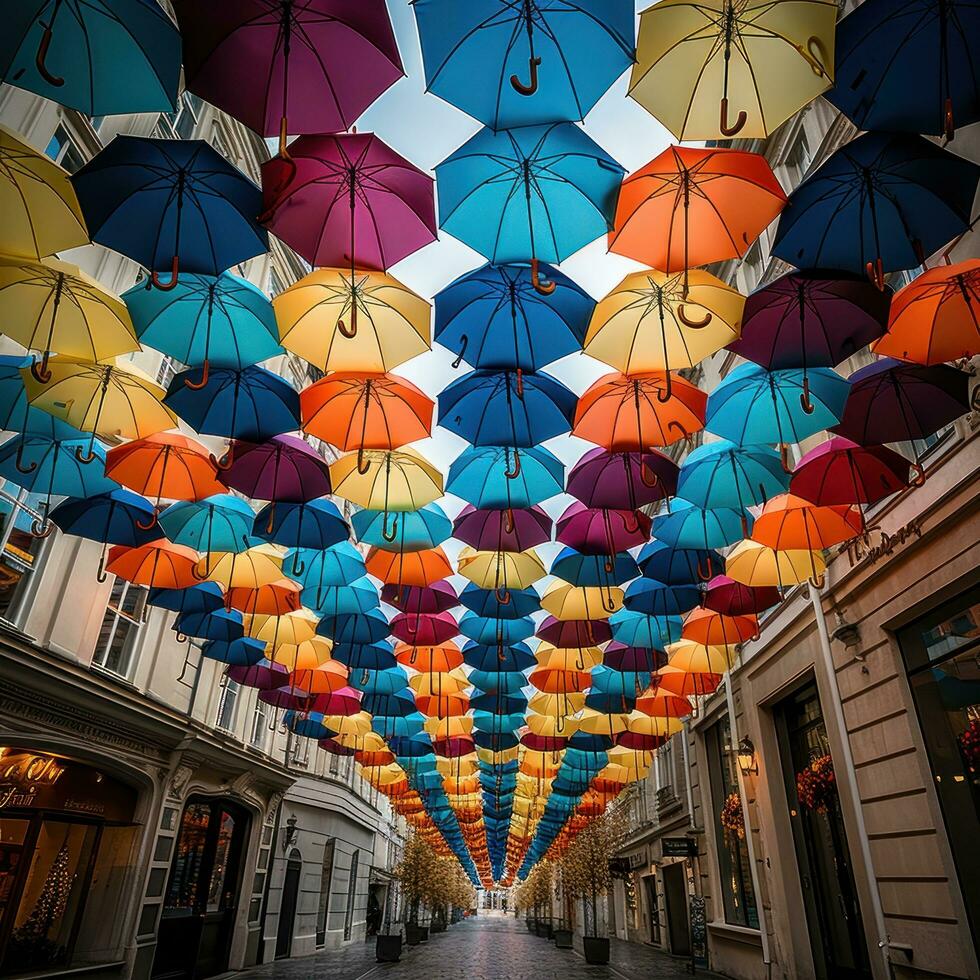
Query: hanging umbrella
{"type": "Point", "coordinates": [713, 69]}
{"type": "Point", "coordinates": [275, 598]}
{"type": "Point", "coordinates": [650, 323]}
{"type": "Point", "coordinates": [892, 401]}
{"type": "Point", "coordinates": [566, 601]}
{"type": "Point", "coordinates": [284, 467]}
{"type": "Point", "coordinates": [688, 526]}
{"type": "Point", "coordinates": [882, 202]}
{"type": "Point", "coordinates": [221, 321]}
{"type": "Point", "coordinates": [730, 598]}
{"type": "Point", "coordinates": [692, 205]}
{"type": "Point", "coordinates": [493, 318]}
{"type": "Point", "coordinates": [487, 630]}
{"type": "Point", "coordinates": [514, 529]}
{"type": "Point", "coordinates": [583, 569]}
{"type": "Point", "coordinates": [354, 410]}
{"type": "Point", "coordinates": [218, 523]}
{"type": "Point", "coordinates": [789, 523]}
{"type": "Point", "coordinates": [389, 481]}
{"type": "Point", "coordinates": [370, 626]}
{"type": "Point", "coordinates": [365, 656]}
{"type": "Point", "coordinates": [700, 659]}
{"type": "Point", "coordinates": [537, 62]}
{"type": "Point", "coordinates": [909, 66]}
{"type": "Point", "coordinates": [245, 652]}
{"type": "Point", "coordinates": [839, 471]}
{"type": "Point", "coordinates": [165, 465]}
{"type": "Point", "coordinates": [753, 406]}
{"type": "Point", "coordinates": [516, 657]}
{"type": "Point", "coordinates": [645, 595]}
{"type": "Point", "coordinates": [355, 598]}
{"type": "Point", "coordinates": [314, 316]}
{"type": "Point", "coordinates": [284, 67]}
{"type": "Point", "coordinates": [755, 564]}
{"type": "Point", "coordinates": [717, 629]}
{"type": "Point", "coordinates": [174, 205]}
{"type": "Point", "coordinates": [101, 57]}
{"type": "Point", "coordinates": [429, 659]}
{"type": "Point", "coordinates": [936, 317]}
{"type": "Point", "coordinates": [500, 570]}
{"type": "Point", "coordinates": [505, 408]}
{"type": "Point", "coordinates": [622, 481]}
{"type": "Point", "coordinates": [640, 630]}
{"type": "Point", "coordinates": [158, 564]}
{"type": "Point", "coordinates": [248, 569]}
{"type": "Point", "coordinates": [620, 657]}
{"type": "Point", "coordinates": [222, 625]}
{"type": "Point", "coordinates": [632, 413]}
{"type": "Point", "coordinates": [417, 530]}
{"type": "Point", "coordinates": [437, 597]}
{"type": "Point", "coordinates": [485, 602]}
{"type": "Point", "coordinates": [598, 531]}
{"type": "Point", "coordinates": [811, 319]}
{"type": "Point", "coordinates": [501, 477]}
{"type": "Point", "coordinates": [41, 212]}
{"type": "Point", "coordinates": [533, 194]}
{"type": "Point", "coordinates": [573, 632]}
{"type": "Point", "coordinates": [264, 675]}
{"type": "Point", "coordinates": [316, 524]}
{"type": "Point", "coordinates": [334, 565]}
{"type": "Point", "coordinates": [429, 629]}
{"type": "Point", "coordinates": [408, 568]}
{"type": "Point", "coordinates": [204, 597]}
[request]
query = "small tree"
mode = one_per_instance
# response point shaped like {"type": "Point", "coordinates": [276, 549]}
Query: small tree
{"type": "Point", "coordinates": [415, 873]}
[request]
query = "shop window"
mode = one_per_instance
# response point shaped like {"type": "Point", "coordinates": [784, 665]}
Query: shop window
{"type": "Point", "coordinates": [185, 119]}
{"type": "Point", "coordinates": [228, 706]}
{"type": "Point", "coordinates": [258, 736]}
{"type": "Point", "coordinates": [20, 550]}
{"type": "Point", "coordinates": [942, 655]}
{"type": "Point", "coordinates": [323, 908]}
{"type": "Point", "coordinates": [121, 628]}
{"type": "Point", "coordinates": [734, 869]}
{"type": "Point", "coordinates": [351, 895]}
{"type": "Point", "coordinates": [64, 149]}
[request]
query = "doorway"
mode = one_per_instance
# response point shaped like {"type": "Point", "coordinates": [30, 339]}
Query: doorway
{"type": "Point", "coordinates": [653, 908]}
{"type": "Point", "coordinates": [287, 907]}
{"type": "Point", "coordinates": [675, 901]}
{"type": "Point", "coordinates": [833, 914]}
{"type": "Point", "coordinates": [201, 902]}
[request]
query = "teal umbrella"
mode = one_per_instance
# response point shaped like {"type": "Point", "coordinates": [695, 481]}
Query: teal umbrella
{"type": "Point", "coordinates": [328, 567]}
{"type": "Point", "coordinates": [221, 522]}
{"type": "Point", "coordinates": [418, 530]}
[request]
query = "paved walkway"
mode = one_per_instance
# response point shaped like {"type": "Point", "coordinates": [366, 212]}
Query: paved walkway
{"type": "Point", "coordinates": [488, 947]}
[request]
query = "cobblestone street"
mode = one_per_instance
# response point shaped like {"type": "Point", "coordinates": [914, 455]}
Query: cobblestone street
{"type": "Point", "coordinates": [489, 947]}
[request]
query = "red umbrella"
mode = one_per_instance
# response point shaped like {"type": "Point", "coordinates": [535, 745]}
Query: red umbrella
{"type": "Point", "coordinates": [839, 471]}
{"type": "Point", "coordinates": [424, 629]}
{"type": "Point", "coordinates": [731, 598]}
{"type": "Point", "coordinates": [570, 633]}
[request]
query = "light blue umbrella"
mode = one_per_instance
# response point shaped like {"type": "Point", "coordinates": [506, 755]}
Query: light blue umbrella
{"type": "Point", "coordinates": [687, 526]}
{"type": "Point", "coordinates": [722, 474]}
{"type": "Point", "coordinates": [488, 629]}
{"type": "Point", "coordinates": [317, 569]}
{"type": "Point", "coordinates": [418, 530]}
{"type": "Point", "coordinates": [498, 477]}
{"type": "Point", "coordinates": [358, 596]}
{"type": "Point", "coordinates": [654, 598]}
{"type": "Point", "coordinates": [379, 681]}
{"type": "Point", "coordinates": [221, 522]}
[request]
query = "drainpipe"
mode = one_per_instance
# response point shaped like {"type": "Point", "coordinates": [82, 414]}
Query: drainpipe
{"type": "Point", "coordinates": [687, 775]}
{"type": "Point", "coordinates": [850, 777]}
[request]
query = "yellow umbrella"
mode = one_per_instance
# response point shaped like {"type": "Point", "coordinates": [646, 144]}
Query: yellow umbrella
{"type": "Point", "coordinates": [367, 741]}
{"type": "Point", "coordinates": [41, 214]}
{"type": "Point", "coordinates": [292, 629]}
{"type": "Point", "coordinates": [392, 480]}
{"type": "Point", "coordinates": [440, 728]}
{"type": "Point", "coordinates": [54, 307]}
{"type": "Point", "coordinates": [568, 658]}
{"type": "Point", "coordinates": [306, 655]}
{"type": "Point", "coordinates": [616, 773]}
{"type": "Point", "coordinates": [551, 726]}
{"type": "Point", "coordinates": [437, 684]}
{"type": "Point", "coordinates": [754, 564]}
{"type": "Point", "coordinates": [620, 755]}
{"type": "Point", "coordinates": [494, 758]}
{"type": "Point", "coordinates": [103, 399]}
{"type": "Point", "coordinates": [567, 602]}
{"type": "Point", "coordinates": [390, 326]}
{"type": "Point", "coordinates": [652, 725]}
{"type": "Point", "coordinates": [500, 569]}
{"type": "Point", "coordinates": [599, 723]}
{"type": "Point", "coordinates": [464, 765]}
{"type": "Point", "coordinates": [708, 69]}
{"type": "Point", "coordinates": [696, 658]}
{"type": "Point", "coordinates": [355, 727]}
{"type": "Point", "coordinates": [382, 775]}
{"type": "Point", "coordinates": [647, 324]}
{"type": "Point", "coordinates": [246, 570]}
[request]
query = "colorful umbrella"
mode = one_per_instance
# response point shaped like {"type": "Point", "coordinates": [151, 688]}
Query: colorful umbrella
{"type": "Point", "coordinates": [204, 597]}
{"type": "Point", "coordinates": [430, 629]}
{"type": "Point", "coordinates": [652, 598]}
{"type": "Point", "coordinates": [599, 531]}
{"type": "Point", "coordinates": [359, 596]}
{"type": "Point", "coordinates": [275, 598]}
{"type": "Point", "coordinates": [730, 598]}
{"type": "Point", "coordinates": [386, 480]}
{"type": "Point", "coordinates": [222, 625]}
{"type": "Point", "coordinates": [602, 570]}
{"type": "Point", "coordinates": [721, 474]}
{"type": "Point", "coordinates": [248, 569]}
{"type": "Point", "coordinates": [514, 529]}
{"type": "Point", "coordinates": [622, 481]}
{"type": "Point", "coordinates": [566, 601]}
{"type": "Point", "coordinates": [158, 564]}
{"type": "Point", "coordinates": [516, 604]}
{"type": "Point", "coordinates": [640, 630]}
{"type": "Point", "coordinates": [417, 530]}
{"type": "Point", "coordinates": [170, 205]}
{"type": "Point", "coordinates": [487, 630]}
{"type": "Point", "coordinates": [165, 465]}
{"type": "Point", "coordinates": [408, 567]}
{"type": "Point", "coordinates": [281, 468]}
{"type": "Point", "coordinates": [370, 626]}
{"type": "Point", "coordinates": [217, 523]}
{"type": "Point", "coordinates": [335, 565]}
{"type": "Point", "coordinates": [697, 658]}
{"type": "Point", "coordinates": [434, 598]}
{"type": "Point", "coordinates": [572, 632]}
{"type": "Point", "coordinates": [687, 526]}
{"type": "Point", "coordinates": [790, 523]}
{"type": "Point", "coordinates": [717, 629]}
{"type": "Point", "coordinates": [754, 564]}
{"type": "Point", "coordinates": [316, 524]}
{"type": "Point", "coordinates": [500, 570]}
{"type": "Point", "coordinates": [839, 471]}
{"type": "Point", "coordinates": [502, 477]}
{"type": "Point", "coordinates": [678, 566]}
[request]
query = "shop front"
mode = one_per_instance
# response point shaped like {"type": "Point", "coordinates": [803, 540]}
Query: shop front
{"type": "Point", "coordinates": [67, 837]}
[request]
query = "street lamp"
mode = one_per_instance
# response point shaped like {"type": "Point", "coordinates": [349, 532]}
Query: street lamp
{"type": "Point", "coordinates": [745, 753]}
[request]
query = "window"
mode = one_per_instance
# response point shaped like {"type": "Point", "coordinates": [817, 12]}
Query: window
{"type": "Point", "coordinates": [227, 706]}
{"type": "Point", "coordinates": [301, 751]}
{"type": "Point", "coordinates": [800, 155]}
{"type": "Point", "coordinates": [64, 150]}
{"type": "Point", "coordinates": [333, 766]}
{"type": "Point", "coordinates": [185, 119]}
{"type": "Point", "coordinates": [121, 628]}
{"type": "Point", "coordinates": [326, 872]}
{"type": "Point", "coordinates": [167, 371]}
{"type": "Point", "coordinates": [737, 893]}
{"type": "Point", "coordinates": [351, 895]}
{"type": "Point", "coordinates": [258, 737]}
{"type": "Point", "coordinates": [20, 550]}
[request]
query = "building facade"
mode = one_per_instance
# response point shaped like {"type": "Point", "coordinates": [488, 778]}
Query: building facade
{"type": "Point", "coordinates": [154, 818]}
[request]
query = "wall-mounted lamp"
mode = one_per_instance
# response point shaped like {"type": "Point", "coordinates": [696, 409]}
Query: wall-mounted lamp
{"type": "Point", "coordinates": [289, 834]}
{"type": "Point", "coordinates": [745, 754]}
{"type": "Point", "coordinates": [846, 633]}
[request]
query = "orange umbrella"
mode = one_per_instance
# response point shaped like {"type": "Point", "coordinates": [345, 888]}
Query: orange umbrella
{"type": "Point", "coordinates": [366, 411]}
{"type": "Point", "coordinates": [657, 704]}
{"type": "Point", "coordinates": [157, 565]}
{"type": "Point", "coordinates": [324, 679]}
{"type": "Point", "coordinates": [685, 683]}
{"type": "Point", "coordinates": [789, 523]}
{"type": "Point", "coordinates": [429, 659]}
{"type": "Point", "coordinates": [936, 317]}
{"type": "Point", "coordinates": [408, 567]}
{"type": "Point", "coordinates": [691, 205]}
{"type": "Point", "coordinates": [275, 599]}
{"type": "Point", "coordinates": [714, 629]}
{"type": "Point", "coordinates": [166, 464]}
{"type": "Point", "coordinates": [443, 705]}
{"type": "Point", "coordinates": [633, 412]}
{"type": "Point", "coordinates": [554, 680]}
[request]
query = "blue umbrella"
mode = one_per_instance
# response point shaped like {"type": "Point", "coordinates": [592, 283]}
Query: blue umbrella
{"type": "Point", "coordinates": [494, 318]}
{"type": "Point", "coordinates": [517, 64]}
{"type": "Point", "coordinates": [244, 652]}
{"type": "Point", "coordinates": [316, 524]}
{"type": "Point", "coordinates": [365, 656]}
{"type": "Point", "coordinates": [307, 725]}
{"type": "Point", "coordinates": [722, 474]}
{"type": "Point", "coordinates": [16, 415]}
{"type": "Point", "coordinates": [629, 682]}
{"type": "Point", "coordinates": [358, 596]}
{"type": "Point", "coordinates": [221, 321]}
{"type": "Point", "coordinates": [516, 657]}
{"type": "Point", "coordinates": [882, 202]}
{"type": "Point", "coordinates": [379, 681]}
{"type": "Point", "coordinates": [529, 194]}
{"type": "Point", "coordinates": [507, 681]}
{"type": "Point", "coordinates": [484, 602]}
{"type": "Point", "coordinates": [206, 597]}
{"type": "Point", "coordinates": [654, 598]}
{"type": "Point", "coordinates": [101, 57]}
{"type": "Point", "coordinates": [497, 477]}
{"type": "Point", "coordinates": [224, 625]}
{"type": "Point", "coordinates": [418, 530]}
{"type": "Point", "coordinates": [252, 404]}
{"type": "Point", "coordinates": [489, 629]}
{"type": "Point", "coordinates": [594, 570]}
{"type": "Point", "coordinates": [687, 526]}
{"type": "Point", "coordinates": [221, 522]}
{"type": "Point", "coordinates": [174, 205]}
{"type": "Point", "coordinates": [498, 714]}
{"type": "Point", "coordinates": [611, 702]}
{"type": "Point", "coordinates": [389, 704]}
{"type": "Point", "coordinates": [678, 566]}
{"type": "Point", "coordinates": [408, 727]}
{"type": "Point", "coordinates": [115, 517]}
{"type": "Point", "coordinates": [752, 405]}
{"type": "Point", "coordinates": [507, 408]}
{"type": "Point", "coordinates": [351, 628]}
{"type": "Point", "coordinates": [908, 66]}
{"type": "Point", "coordinates": [336, 565]}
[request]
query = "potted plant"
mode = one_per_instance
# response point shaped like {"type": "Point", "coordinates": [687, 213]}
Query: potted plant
{"type": "Point", "coordinates": [563, 934]}
{"type": "Point", "coordinates": [388, 943]}
{"type": "Point", "coordinates": [414, 874]}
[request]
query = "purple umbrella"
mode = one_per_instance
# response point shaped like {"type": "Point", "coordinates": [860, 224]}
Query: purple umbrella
{"type": "Point", "coordinates": [335, 748]}
{"type": "Point", "coordinates": [893, 401]}
{"type": "Point", "coordinates": [730, 598]}
{"type": "Point", "coordinates": [619, 656]}
{"type": "Point", "coordinates": [601, 531]}
{"type": "Point", "coordinates": [623, 481]}
{"type": "Point", "coordinates": [811, 319]}
{"type": "Point", "coordinates": [281, 66]}
{"type": "Point", "coordinates": [266, 675]}
{"type": "Point", "coordinates": [288, 697]}
{"type": "Point", "coordinates": [502, 530]}
{"type": "Point", "coordinates": [434, 598]}
{"type": "Point", "coordinates": [283, 468]}
{"type": "Point", "coordinates": [570, 633]}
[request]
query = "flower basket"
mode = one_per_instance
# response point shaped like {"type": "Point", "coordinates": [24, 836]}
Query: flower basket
{"type": "Point", "coordinates": [816, 785]}
{"type": "Point", "coordinates": [969, 741]}
{"type": "Point", "coordinates": [732, 819]}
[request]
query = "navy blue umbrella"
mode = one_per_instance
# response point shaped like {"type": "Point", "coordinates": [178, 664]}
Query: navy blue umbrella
{"type": "Point", "coordinates": [171, 205]}
{"type": "Point", "coordinates": [367, 627]}
{"type": "Point", "coordinates": [679, 566]}
{"type": "Point", "coordinates": [657, 599]}
{"type": "Point", "coordinates": [485, 602]}
{"type": "Point", "coordinates": [516, 657]}
{"type": "Point", "coordinates": [206, 597]}
{"type": "Point", "coordinates": [244, 652]}
{"type": "Point", "coordinates": [364, 656]}
{"type": "Point", "coordinates": [117, 517]}
{"type": "Point", "coordinates": [317, 524]}
{"type": "Point", "coordinates": [883, 202]}
{"type": "Point", "coordinates": [594, 570]}
{"type": "Point", "coordinates": [224, 625]}
{"type": "Point", "coordinates": [507, 408]}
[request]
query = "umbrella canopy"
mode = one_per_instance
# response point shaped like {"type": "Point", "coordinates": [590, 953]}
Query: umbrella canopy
{"type": "Point", "coordinates": [113, 517]}
{"type": "Point", "coordinates": [55, 468]}
{"type": "Point", "coordinates": [882, 202]}
{"type": "Point", "coordinates": [645, 595]}
{"type": "Point", "coordinates": [730, 598]}
{"type": "Point", "coordinates": [391, 480]}
{"type": "Point", "coordinates": [581, 569]}
{"type": "Point", "coordinates": [355, 629]}
{"type": "Point", "coordinates": [77, 52]}
{"type": "Point", "coordinates": [316, 524]}
{"type": "Point", "coordinates": [789, 523]}
{"type": "Point", "coordinates": [165, 465]}
{"type": "Point", "coordinates": [500, 570]}
{"type": "Point", "coordinates": [721, 474]}
{"type": "Point", "coordinates": [429, 629]}
{"type": "Point", "coordinates": [839, 471]}
{"type": "Point", "coordinates": [714, 69]}
{"type": "Point", "coordinates": [217, 523]}
{"type": "Point", "coordinates": [538, 63]}
{"type": "Point", "coordinates": [697, 658]}
{"type": "Point", "coordinates": [598, 531]}
{"type": "Point", "coordinates": [335, 565]}
{"type": "Point", "coordinates": [502, 477]}
{"type": "Point", "coordinates": [284, 467]}
{"type": "Point", "coordinates": [717, 629]}
{"type": "Point", "coordinates": [622, 481]}
{"type": "Point", "coordinates": [417, 530]}
{"type": "Point", "coordinates": [222, 625]}
{"type": "Point", "coordinates": [41, 212]}
{"type": "Point", "coordinates": [429, 659]}
{"type": "Point", "coordinates": [566, 601]}
{"type": "Point", "coordinates": [500, 659]}
{"type": "Point", "coordinates": [249, 569]}
{"type": "Point", "coordinates": [158, 564]}
{"type": "Point", "coordinates": [408, 567]}
{"type": "Point", "coordinates": [513, 529]}
{"type": "Point", "coordinates": [640, 630]}
{"type": "Point", "coordinates": [203, 597]}
{"type": "Point", "coordinates": [687, 526]}
{"type": "Point", "coordinates": [573, 632]}
{"type": "Point", "coordinates": [315, 316]}
{"type": "Point", "coordinates": [755, 564]}
{"type": "Point", "coordinates": [437, 597]}
{"type": "Point", "coordinates": [359, 596]}
{"type": "Point", "coordinates": [274, 598]}
{"type": "Point", "coordinates": [494, 318]}
{"type": "Point", "coordinates": [516, 604]}
{"type": "Point", "coordinates": [488, 630]}
{"type": "Point", "coordinates": [170, 205]}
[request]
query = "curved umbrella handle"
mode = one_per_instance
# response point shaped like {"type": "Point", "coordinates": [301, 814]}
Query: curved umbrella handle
{"type": "Point", "coordinates": [805, 402]}
{"type": "Point", "coordinates": [459, 360]}
{"type": "Point", "coordinates": [532, 86]}
{"type": "Point", "coordinates": [226, 461]}
{"type": "Point", "coordinates": [41, 529]}
{"type": "Point", "coordinates": [41, 57]}
{"type": "Point", "coordinates": [611, 607]}
{"type": "Point", "coordinates": [666, 393]}
{"type": "Point", "coordinates": [813, 54]}
{"type": "Point", "coordinates": [648, 482]}
{"type": "Point", "coordinates": [630, 529]}
{"type": "Point", "coordinates": [84, 457]}
{"type": "Point", "coordinates": [203, 578]}
{"type": "Point", "coordinates": [784, 457]}
{"type": "Point", "coordinates": [693, 324]}
{"type": "Point", "coordinates": [920, 476]}
{"type": "Point", "coordinates": [509, 520]}
{"type": "Point", "coordinates": [393, 533]}
{"type": "Point", "coordinates": [363, 465]}
{"type": "Point", "coordinates": [179, 637]}
{"type": "Point", "coordinates": [545, 287]}
{"type": "Point", "coordinates": [19, 460]}
{"type": "Point", "coordinates": [198, 385]}
{"type": "Point", "coordinates": [40, 372]}
{"type": "Point", "coordinates": [502, 596]}
{"type": "Point", "coordinates": [817, 581]}
{"type": "Point", "coordinates": [412, 625]}
{"type": "Point", "coordinates": [101, 575]}
{"type": "Point", "coordinates": [298, 566]}
{"type": "Point", "coordinates": [876, 273]}
{"type": "Point", "coordinates": [150, 525]}
{"type": "Point", "coordinates": [350, 332]}
{"type": "Point", "coordinates": [271, 523]}
{"type": "Point", "coordinates": [513, 474]}
{"type": "Point", "coordinates": [501, 656]}
{"type": "Point", "coordinates": [673, 424]}
{"type": "Point", "coordinates": [174, 276]}
{"type": "Point", "coordinates": [705, 575]}
{"type": "Point", "coordinates": [735, 127]}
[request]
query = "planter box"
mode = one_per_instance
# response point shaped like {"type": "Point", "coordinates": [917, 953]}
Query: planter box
{"type": "Point", "coordinates": [530, 924]}
{"type": "Point", "coordinates": [424, 932]}
{"type": "Point", "coordinates": [596, 950]}
{"type": "Point", "coordinates": [413, 934]}
{"type": "Point", "coordinates": [437, 927]}
{"type": "Point", "coordinates": [563, 938]}
{"type": "Point", "coordinates": [388, 949]}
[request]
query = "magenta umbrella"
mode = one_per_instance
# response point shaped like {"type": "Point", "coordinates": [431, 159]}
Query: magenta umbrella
{"type": "Point", "coordinates": [289, 66]}
{"type": "Point", "coordinates": [570, 633]}
{"type": "Point", "coordinates": [434, 598]}
{"type": "Point", "coordinates": [288, 697]}
{"type": "Point", "coordinates": [839, 471]}
{"type": "Point", "coordinates": [345, 702]}
{"type": "Point", "coordinates": [730, 598]}
{"type": "Point", "coordinates": [513, 529]}
{"type": "Point", "coordinates": [283, 468]}
{"type": "Point", "coordinates": [453, 748]}
{"type": "Point", "coordinates": [351, 200]}
{"type": "Point", "coordinates": [619, 656]}
{"type": "Point", "coordinates": [266, 675]}
{"type": "Point", "coordinates": [601, 531]}
{"type": "Point", "coordinates": [424, 629]}
{"type": "Point", "coordinates": [623, 481]}
{"type": "Point", "coordinates": [335, 748]}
